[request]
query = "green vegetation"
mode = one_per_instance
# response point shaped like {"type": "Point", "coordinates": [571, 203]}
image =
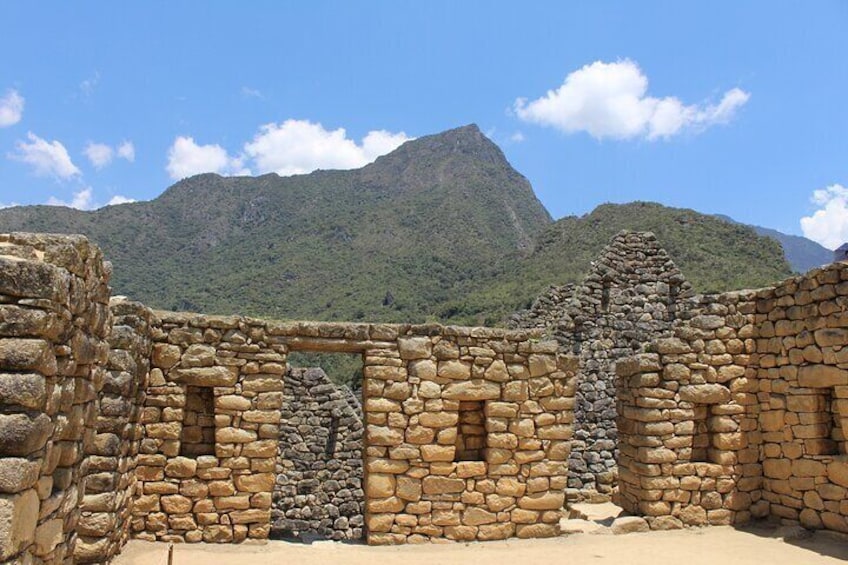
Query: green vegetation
{"type": "Point", "coordinates": [442, 229]}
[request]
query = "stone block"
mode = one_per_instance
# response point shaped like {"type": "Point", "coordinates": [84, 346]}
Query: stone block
{"type": "Point", "coordinates": [473, 390]}
{"type": "Point", "coordinates": [23, 389]}
{"type": "Point", "coordinates": [414, 347]}
{"type": "Point", "coordinates": [542, 501]}
{"type": "Point", "coordinates": [206, 376]}
{"type": "Point", "coordinates": [18, 520]}
{"type": "Point", "coordinates": [814, 376]}
{"type": "Point", "coordinates": [476, 516]}
{"type": "Point", "coordinates": [22, 434]}
{"type": "Point", "coordinates": [454, 369]}
{"type": "Point", "coordinates": [442, 485]}
{"type": "Point", "coordinates": [705, 394]}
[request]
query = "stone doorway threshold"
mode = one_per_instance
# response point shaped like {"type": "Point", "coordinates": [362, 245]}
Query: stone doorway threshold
{"type": "Point", "coordinates": [600, 518]}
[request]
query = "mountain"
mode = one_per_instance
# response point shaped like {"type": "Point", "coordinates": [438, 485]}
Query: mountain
{"type": "Point", "coordinates": [442, 228]}
{"type": "Point", "coordinates": [803, 254]}
{"type": "Point", "coordinates": [713, 254]}
{"type": "Point", "coordinates": [383, 242]}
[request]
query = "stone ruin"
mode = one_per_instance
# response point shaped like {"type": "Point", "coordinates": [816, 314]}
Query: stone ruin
{"type": "Point", "coordinates": [632, 294]}
{"type": "Point", "coordinates": [117, 421]}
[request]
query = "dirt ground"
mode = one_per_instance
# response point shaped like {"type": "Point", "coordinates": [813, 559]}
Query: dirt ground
{"type": "Point", "coordinates": [705, 546]}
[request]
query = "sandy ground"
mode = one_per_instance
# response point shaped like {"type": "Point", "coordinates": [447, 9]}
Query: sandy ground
{"type": "Point", "coordinates": [707, 546]}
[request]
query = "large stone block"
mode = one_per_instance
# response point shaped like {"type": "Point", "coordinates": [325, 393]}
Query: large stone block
{"type": "Point", "coordinates": [22, 434]}
{"type": "Point", "coordinates": [705, 394]}
{"type": "Point", "coordinates": [27, 355]}
{"type": "Point", "coordinates": [813, 376]}
{"type": "Point", "coordinates": [18, 519]}
{"type": "Point", "coordinates": [414, 347]}
{"type": "Point", "coordinates": [206, 376]}
{"type": "Point", "coordinates": [442, 485]}
{"type": "Point", "coordinates": [473, 390]}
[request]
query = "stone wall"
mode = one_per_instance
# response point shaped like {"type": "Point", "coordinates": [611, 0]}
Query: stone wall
{"type": "Point", "coordinates": [802, 387]}
{"type": "Point", "coordinates": [109, 467]}
{"type": "Point", "coordinates": [318, 491]}
{"type": "Point", "coordinates": [631, 295]}
{"type": "Point", "coordinates": [758, 378]}
{"type": "Point", "coordinates": [687, 420]}
{"type": "Point", "coordinates": [54, 321]}
{"type": "Point", "coordinates": [467, 437]}
{"type": "Point", "coordinates": [210, 430]}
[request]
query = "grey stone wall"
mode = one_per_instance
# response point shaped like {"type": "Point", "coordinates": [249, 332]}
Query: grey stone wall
{"type": "Point", "coordinates": [318, 491]}
{"type": "Point", "coordinates": [54, 321]}
{"type": "Point", "coordinates": [109, 467]}
{"type": "Point", "coordinates": [631, 295]}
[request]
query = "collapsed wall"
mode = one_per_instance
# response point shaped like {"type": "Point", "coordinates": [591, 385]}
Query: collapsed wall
{"type": "Point", "coordinates": [319, 487]}
{"type": "Point", "coordinates": [632, 294]}
{"type": "Point", "coordinates": [54, 321]}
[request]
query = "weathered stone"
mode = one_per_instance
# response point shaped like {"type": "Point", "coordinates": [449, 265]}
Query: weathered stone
{"type": "Point", "coordinates": [18, 518]}
{"type": "Point", "coordinates": [705, 394]}
{"type": "Point", "coordinates": [473, 390]}
{"type": "Point", "coordinates": [21, 434]}
{"type": "Point", "coordinates": [206, 376]}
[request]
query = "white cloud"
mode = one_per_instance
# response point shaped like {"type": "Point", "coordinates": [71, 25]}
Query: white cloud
{"type": "Point", "coordinates": [2, 205]}
{"type": "Point", "coordinates": [517, 137]}
{"type": "Point", "coordinates": [248, 92]}
{"type": "Point", "coordinates": [610, 100]}
{"type": "Point", "coordinates": [126, 150]}
{"type": "Point", "coordinates": [829, 224]}
{"type": "Point", "coordinates": [187, 158]}
{"type": "Point", "coordinates": [118, 199]}
{"type": "Point", "coordinates": [102, 155]}
{"type": "Point", "coordinates": [88, 85]}
{"type": "Point", "coordinates": [99, 154]}
{"type": "Point", "coordinates": [11, 108]}
{"type": "Point", "coordinates": [48, 158]}
{"type": "Point", "coordinates": [82, 200]}
{"type": "Point", "coordinates": [300, 146]}
{"type": "Point", "coordinates": [289, 148]}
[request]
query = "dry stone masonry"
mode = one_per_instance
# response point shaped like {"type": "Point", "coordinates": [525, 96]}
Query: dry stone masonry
{"type": "Point", "coordinates": [54, 323]}
{"type": "Point", "coordinates": [319, 488]}
{"type": "Point", "coordinates": [117, 421]}
{"type": "Point", "coordinates": [630, 296]}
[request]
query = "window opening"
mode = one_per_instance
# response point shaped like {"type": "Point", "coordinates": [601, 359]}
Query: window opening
{"type": "Point", "coordinates": [702, 438]}
{"type": "Point", "coordinates": [198, 435]}
{"type": "Point", "coordinates": [471, 432]}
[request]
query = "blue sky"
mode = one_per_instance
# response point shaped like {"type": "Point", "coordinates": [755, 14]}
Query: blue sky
{"type": "Point", "coordinates": [724, 107]}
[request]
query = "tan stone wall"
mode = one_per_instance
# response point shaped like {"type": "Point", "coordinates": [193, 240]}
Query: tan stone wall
{"type": "Point", "coordinates": [416, 390]}
{"type": "Point", "coordinates": [54, 321]}
{"type": "Point", "coordinates": [802, 373]}
{"type": "Point", "coordinates": [109, 467]}
{"type": "Point", "coordinates": [687, 421]}
{"type": "Point", "coordinates": [223, 493]}
{"type": "Point", "coordinates": [416, 380]}
{"type": "Point", "coordinates": [769, 369]}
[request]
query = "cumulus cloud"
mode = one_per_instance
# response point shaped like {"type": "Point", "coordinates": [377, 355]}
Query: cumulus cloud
{"type": "Point", "coordinates": [829, 224]}
{"type": "Point", "coordinates": [11, 108]}
{"type": "Point", "coordinates": [47, 158]}
{"type": "Point", "coordinates": [10, 205]}
{"type": "Point", "coordinates": [187, 158]}
{"type": "Point", "coordinates": [288, 148]}
{"type": "Point", "coordinates": [118, 199]}
{"type": "Point", "coordinates": [126, 150]}
{"type": "Point", "coordinates": [610, 100]}
{"type": "Point", "coordinates": [102, 155]}
{"type": "Point", "coordinates": [82, 200]}
{"type": "Point", "coordinates": [99, 154]}
{"type": "Point", "coordinates": [300, 146]}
